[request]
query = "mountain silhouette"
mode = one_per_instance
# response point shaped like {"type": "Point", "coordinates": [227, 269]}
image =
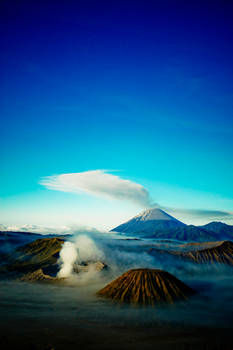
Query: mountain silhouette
{"type": "Point", "coordinates": [156, 223]}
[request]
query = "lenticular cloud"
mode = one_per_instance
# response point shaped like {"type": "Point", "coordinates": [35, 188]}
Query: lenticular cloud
{"type": "Point", "coordinates": [99, 183]}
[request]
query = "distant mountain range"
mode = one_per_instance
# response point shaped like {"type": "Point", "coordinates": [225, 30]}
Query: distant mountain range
{"type": "Point", "coordinates": [152, 223]}
{"type": "Point", "coordinates": [219, 228]}
{"type": "Point", "coordinates": [156, 223]}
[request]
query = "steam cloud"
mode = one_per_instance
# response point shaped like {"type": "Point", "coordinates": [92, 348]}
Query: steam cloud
{"type": "Point", "coordinates": [99, 183]}
{"type": "Point", "coordinates": [68, 256]}
{"type": "Point", "coordinates": [82, 250]}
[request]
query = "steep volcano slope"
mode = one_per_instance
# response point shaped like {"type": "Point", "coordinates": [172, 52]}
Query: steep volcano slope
{"type": "Point", "coordinates": [42, 253]}
{"type": "Point", "coordinates": [149, 222]}
{"type": "Point", "coordinates": [213, 252]}
{"type": "Point", "coordinates": [146, 286]}
{"type": "Point", "coordinates": [221, 253]}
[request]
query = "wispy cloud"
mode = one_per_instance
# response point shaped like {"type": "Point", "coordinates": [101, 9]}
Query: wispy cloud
{"type": "Point", "coordinates": [202, 213]}
{"type": "Point", "coordinates": [59, 230]}
{"type": "Point", "coordinates": [99, 183]}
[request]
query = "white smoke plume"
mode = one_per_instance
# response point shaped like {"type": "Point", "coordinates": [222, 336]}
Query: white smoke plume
{"type": "Point", "coordinates": [68, 256]}
{"type": "Point", "coordinates": [73, 254]}
{"type": "Point", "coordinates": [87, 249]}
{"type": "Point", "coordinates": [99, 183]}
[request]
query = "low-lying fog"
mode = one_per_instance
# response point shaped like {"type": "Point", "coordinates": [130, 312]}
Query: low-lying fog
{"type": "Point", "coordinates": [214, 305]}
{"type": "Point", "coordinates": [75, 302]}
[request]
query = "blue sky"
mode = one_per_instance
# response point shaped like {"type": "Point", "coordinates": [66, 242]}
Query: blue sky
{"type": "Point", "coordinates": [142, 89]}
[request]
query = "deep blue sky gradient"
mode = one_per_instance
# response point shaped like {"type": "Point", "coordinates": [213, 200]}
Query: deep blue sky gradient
{"type": "Point", "coordinates": [142, 87]}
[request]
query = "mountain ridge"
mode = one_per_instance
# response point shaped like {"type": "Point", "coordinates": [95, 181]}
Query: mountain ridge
{"type": "Point", "coordinates": [156, 223]}
{"type": "Point", "coordinates": [218, 227]}
{"type": "Point", "coordinates": [220, 252]}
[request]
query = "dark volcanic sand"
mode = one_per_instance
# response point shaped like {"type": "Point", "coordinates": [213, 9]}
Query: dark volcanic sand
{"type": "Point", "coordinates": [37, 316]}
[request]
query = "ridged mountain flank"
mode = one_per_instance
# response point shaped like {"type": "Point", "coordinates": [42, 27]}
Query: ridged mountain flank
{"type": "Point", "coordinates": [221, 253]}
{"type": "Point", "coordinates": [146, 286]}
{"type": "Point", "coordinates": [42, 253]}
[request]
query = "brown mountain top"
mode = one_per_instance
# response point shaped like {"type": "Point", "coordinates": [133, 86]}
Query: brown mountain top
{"type": "Point", "coordinates": [41, 253]}
{"type": "Point", "coordinates": [146, 286]}
{"type": "Point", "coordinates": [222, 252]}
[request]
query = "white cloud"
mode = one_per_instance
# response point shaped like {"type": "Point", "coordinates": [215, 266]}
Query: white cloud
{"type": "Point", "coordinates": [99, 183]}
{"type": "Point", "coordinates": [200, 216]}
{"type": "Point", "coordinates": [39, 229]}
{"type": "Point", "coordinates": [59, 230]}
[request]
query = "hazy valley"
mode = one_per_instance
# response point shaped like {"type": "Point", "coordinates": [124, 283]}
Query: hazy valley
{"type": "Point", "coordinates": [82, 288]}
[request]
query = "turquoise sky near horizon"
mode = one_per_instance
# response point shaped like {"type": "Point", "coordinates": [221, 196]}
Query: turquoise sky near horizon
{"type": "Point", "coordinates": [144, 89]}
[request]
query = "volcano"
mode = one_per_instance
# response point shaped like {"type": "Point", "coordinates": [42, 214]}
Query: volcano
{"type": "Point", "coordinates": [156, 223]}
{"type": "Point", "coordinates": [146, 286]}
{"type": "Point", "coordinates": [200, 253]}
{"type": "Point", "coordinates": [42, 253]}
{"type": "Point", "coordinates": [39, 261]}
{"type": "Point", "coordinates": [221, 252]}
{"type": "Point", "coordinates": [149, 222]}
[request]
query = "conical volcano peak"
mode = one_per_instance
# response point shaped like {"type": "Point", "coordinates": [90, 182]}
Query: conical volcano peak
{"type": "Point", "coordinates": [149, 222]}
{"type": "Point", "coordinates": [146, 286]}
{"type": "Point", "coordinates": [154, 214]}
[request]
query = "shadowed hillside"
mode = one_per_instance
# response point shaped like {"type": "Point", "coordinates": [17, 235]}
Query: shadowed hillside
{"type": "Point", "coordinates": [10, 240]}
{"type": "Point", "coordinates": [221, 253]}
{"type": "Point", "coordinates": [189, 233]}
{"type": "Point", "coordinates": [205, 252]}
{"type": "Point", "coordinates": [42, 253]}
{"type": "Point", "coordinates": [146, 286]}
{"type": "Point", "coordinates": [219, 228]}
